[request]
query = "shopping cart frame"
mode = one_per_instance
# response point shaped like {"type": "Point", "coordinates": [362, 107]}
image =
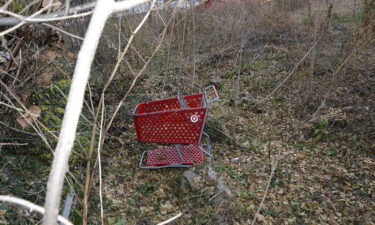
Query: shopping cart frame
{"type": "Point", "coordinates": [205, 148]}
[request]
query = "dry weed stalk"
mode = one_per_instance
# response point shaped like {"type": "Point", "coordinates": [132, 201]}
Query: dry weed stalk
{"type": "Point", "coordinates": [273, 168]}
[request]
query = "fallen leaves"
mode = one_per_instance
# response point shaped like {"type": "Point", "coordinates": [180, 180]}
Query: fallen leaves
{"type": "Point", "coordinates": [50, 54]}
{"type": "Point", "coordinates": [3, 178]}
{"type": "Point", "coordinates": [23, 94]}
{"type": "Point", "coordinates": [301, 155]}
{"type": "Point", "coordinates": [45, 78]}
{"type": "Point", "coordinates": [46, 3]}
{"type": "Point", "coordinates": [27, 119]}
{"type": "Point", "coordinates": [54, 53]}
{"type": "Point", "coordinates": [56, 4]}
{"type": "Point", "coordinates": [166, 207]}
{"type": "Point", "coordinates": [71, 55]}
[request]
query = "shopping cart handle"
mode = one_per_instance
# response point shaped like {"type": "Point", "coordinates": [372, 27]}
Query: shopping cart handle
{"type": "Point", "coordinates": [217, 97]}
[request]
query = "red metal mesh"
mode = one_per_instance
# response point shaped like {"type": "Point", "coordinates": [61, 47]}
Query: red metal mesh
{"type": "Point", "coordinates": [166, 156]}
{"type": "Point", "coordinates": [164, 121]}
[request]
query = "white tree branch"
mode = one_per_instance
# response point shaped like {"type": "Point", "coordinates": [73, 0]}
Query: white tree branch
{"type": "Point", "coordinates": [73, 110]}
{"type": "Point", "coordinates": [31, 206]}
{"type": "Point", "coordinates": [124, 5]}
{"type": "Point", "coordinates": [102, 11]}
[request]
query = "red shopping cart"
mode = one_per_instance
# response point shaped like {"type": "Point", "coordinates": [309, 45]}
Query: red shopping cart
{"type": "Point", "coordinates": [177, 121]}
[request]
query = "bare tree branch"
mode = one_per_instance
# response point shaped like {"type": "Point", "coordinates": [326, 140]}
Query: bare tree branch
{"type": "Point", "coordinates": [11, 21]}
{"type": "Point", "coordinates": [22, 19]}
{"type": "Point", "coordinates": [124, 5]}
{"type": "Point", "coordinates": [73, 110]}
{"type": "Point", "coordinates": [67, 7]}
{"type": "Point", "coordinates": [102, 99]}
{"type": "Point", "coordinates": [141, 72]}
{"type": "Point", "coordinates": [102, 11]}
{"type": "Point", "coordinates": [62, 31]}
{"type": "Point", "coordinates": [5, 6]}
{"type": "Point", "coordinates": [31, 206]}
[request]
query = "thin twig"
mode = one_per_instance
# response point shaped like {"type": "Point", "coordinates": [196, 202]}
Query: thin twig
{"type": "Point", "coordinates": [132, 47]}
{"type": "Point", "coordinates": [13, 144]}
{"type": "Point", "coordinates": [339, 68]}
{"type": "Point", "coordinates": [36, 20]}
{"type": "Point", "coordinates": [100, 164]}
{"type": "Point", "coordinates": [139, 74]}
{"type": "Point", "coordinates": [88, 168]}
{"type": "Point", "coordinates": [62, 31]}
{"type": "Point", "coordinates": [239, 58]}
{"type": "Point", "coordinates": [23, 20]}
{"type": "Point", "coordinates": [265, 193]}
{"type": "Point", "coordinates": [357, 48]}
{"type": "Point", "coordinates": [120, 104]}
{"type": "Point", "coordinates": [126, 48]}
{"type": "Point", "coordinates": [170, 219]}
{"type": "Point", "coordinates": [10, 106]}
{"type": "Point", "coordinates": [293, 71]}
{"type": "Point", "coordinates": [17, 130]}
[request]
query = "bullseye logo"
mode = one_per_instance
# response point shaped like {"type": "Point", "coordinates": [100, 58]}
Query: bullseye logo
{"type": "Point", "coordinates": [194, 118]}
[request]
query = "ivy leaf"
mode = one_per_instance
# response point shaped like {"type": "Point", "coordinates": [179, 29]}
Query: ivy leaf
{"type": "Point", "coordinates": [60, 110]}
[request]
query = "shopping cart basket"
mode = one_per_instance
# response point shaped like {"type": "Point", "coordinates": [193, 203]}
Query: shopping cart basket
{"type": "Point", "coordinates": [177, 121]}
